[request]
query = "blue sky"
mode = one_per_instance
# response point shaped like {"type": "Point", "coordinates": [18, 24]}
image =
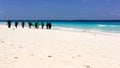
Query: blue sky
{"type": "Point", "coordinates": [60, 9]}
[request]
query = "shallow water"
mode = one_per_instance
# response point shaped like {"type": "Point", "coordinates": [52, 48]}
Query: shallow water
{"type": "Point", "coordinates": [113, 27]}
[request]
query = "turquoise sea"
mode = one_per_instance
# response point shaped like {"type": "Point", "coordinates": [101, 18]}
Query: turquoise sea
{"type": "Point", "coordinates": [112, 27]}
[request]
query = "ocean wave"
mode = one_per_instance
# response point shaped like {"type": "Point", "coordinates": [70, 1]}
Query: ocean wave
{"type": "Point", "coordinates": [101, 25]}
{"type": "Point", "coordinates": [65, 28]}
{"type": "Point", "coordinates": [84, 30]}
{"type": "Point", "coordinates": [77, 30]}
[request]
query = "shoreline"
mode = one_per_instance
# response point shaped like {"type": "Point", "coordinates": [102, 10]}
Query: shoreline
{"type": "Point", "coordinates": [102, 28]}
{"type": "Point", "coordinates": [66, 29]}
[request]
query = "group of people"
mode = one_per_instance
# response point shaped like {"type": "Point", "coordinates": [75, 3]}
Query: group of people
{"type": "Point", "coordinates": [16, 24]}
{"type": "Point", "coordinates": [30, 24]}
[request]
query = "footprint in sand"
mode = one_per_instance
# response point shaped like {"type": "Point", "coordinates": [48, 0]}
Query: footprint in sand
{"type": "Point", "coordinates": [49, 56]}
{"type": "Point", "coordinates": [11, 44]}
{"type": "Point", "coordinates": [73, 57]}
{"type": "Point", "coordinates": [20, 47]}
{"type": "Point", "coordinates": [87, 66]}
{"type": "Point", "coordinates": [2, 41]}
{"type": "Point", "coordinates": [79, 55]}
{"type": "Point", "coordinates": [32, 54]}
{"type": "Point", "coordinates": [40, 59]}
{"type": "Point", "coordinates": [94, 34]}
{"type": "Point", "coordinates": [16, 57]}
{"type": "Point", "coordinates": [13, 29]}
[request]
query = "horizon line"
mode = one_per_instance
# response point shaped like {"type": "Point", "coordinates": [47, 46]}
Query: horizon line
{"type": "Point", "coordinates": [68, 20]}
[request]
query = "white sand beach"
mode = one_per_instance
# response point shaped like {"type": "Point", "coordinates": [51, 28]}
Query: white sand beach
{"type": "Point", "coordinates": [37, 48]}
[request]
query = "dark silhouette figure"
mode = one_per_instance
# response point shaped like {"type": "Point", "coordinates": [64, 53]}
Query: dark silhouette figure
{"type": "Point", "coordinates": [36, 25]}
{"type": "Point", "coordinates": [9, 23]}
{"type": "Point", "coordinates": [47, 25]}
{"type": "Point", "coordinates": [50, 25]}
{"type": "Point", "coordinates": [42, 24]}
{"type": "Point", "coordinates": [16, 24]}
{"type": "Point", "coordinates": [23, 24]}
{"type": "Point", "coordinates": [30, 24]}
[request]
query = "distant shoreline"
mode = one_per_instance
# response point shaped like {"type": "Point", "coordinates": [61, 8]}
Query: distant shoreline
{"type": "Point", "coordinates": [70, 20]}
